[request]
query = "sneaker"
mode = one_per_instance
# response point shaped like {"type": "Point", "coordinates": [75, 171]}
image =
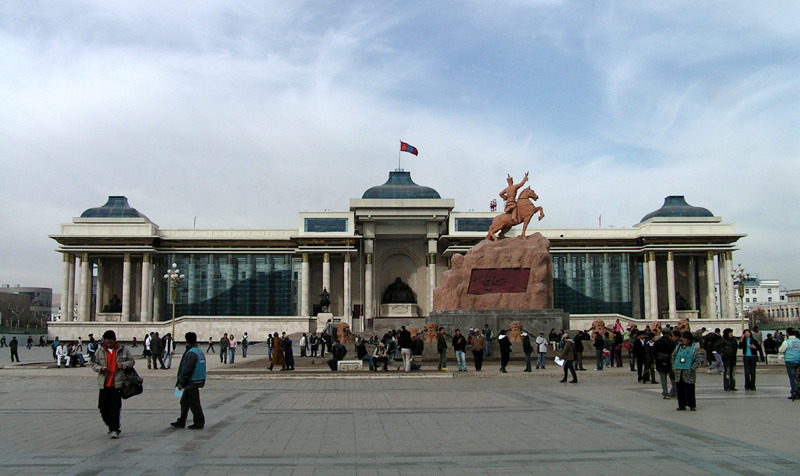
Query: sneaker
{"type": "Point", "coordinates": [178, 424]}
{"type": "Point", "coordinates": [114, 435]}
{"type": "Point", "coordinates": [195, 426]}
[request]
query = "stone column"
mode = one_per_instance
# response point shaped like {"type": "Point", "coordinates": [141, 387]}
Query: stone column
{"type": "Point", "coordinates": [368, 288]}
{"type": "Point", "coordinates": [98, 305]}
{"type": "Point", "coordinates": [711, 301]}
{"type": "Point", "coordinates": [305, 287]}
{"type": "Point", "coordinates": [723, 288]}
{"type": "Point", "coordinates": [126, 288]}
{"type": "Point", "coordinates": [673, 305]}
{"type": "Point", "coordinates": [431, 280]}
{"type": "Point", "coordinates": [731, 304]}
{"type": "Point", "coordinates": [147, 289]}
{"type": "Point", "coordinates": [84, 288]}
{"type": "Point", "coordinates": [692, 272]}
{"type": "Point", "coordinates": [348, 300]}
{"type": "Point", "coordinates": [587, 275]}
{"type": "Point", "coordinates": [65, 259]}
{"type": "Point", "coordinates": [646, 284]}
{"type": "Point", "coordinates": [211, 273]}
{"type": "Point", "coordinates": [231, 277]}
{"type": "Point", "coordinates": [326, 271]}
{"type": "Point", "coordinates": [606, 270]}
{"type": "Point", "coordinates": [636, 292]}
{"type": "Point", "coordinates": [158, 291]}
{"type": "Point", "coordinates": [653, 286]}
{"type": "Point", "coordinates": [71, 291]}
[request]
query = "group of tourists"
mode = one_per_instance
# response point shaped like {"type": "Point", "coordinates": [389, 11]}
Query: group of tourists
{"type": "Point", "coordinates": [227, 347]}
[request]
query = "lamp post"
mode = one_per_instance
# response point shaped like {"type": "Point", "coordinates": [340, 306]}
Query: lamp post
{"type": "Point", "coordinates": [740, 275]}
{"type": "Point", "coordinates": [174, 278]}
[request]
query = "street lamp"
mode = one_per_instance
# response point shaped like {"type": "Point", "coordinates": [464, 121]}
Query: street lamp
{"type": "Point", "coordinates": [740, 275]}
{"type": "Point", "coordinates": [174, 278]}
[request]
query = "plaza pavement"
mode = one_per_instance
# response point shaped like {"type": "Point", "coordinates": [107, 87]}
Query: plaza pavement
{"type": "Point", "coordinates": [432, 423]}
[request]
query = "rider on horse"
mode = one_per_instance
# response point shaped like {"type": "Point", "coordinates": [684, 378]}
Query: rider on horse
{"type": "Point", "coordinates": [509, 194]}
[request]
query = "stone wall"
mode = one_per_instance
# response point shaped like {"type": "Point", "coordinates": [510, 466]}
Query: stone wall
{"type": "Point", "coordinates": [257, 328]}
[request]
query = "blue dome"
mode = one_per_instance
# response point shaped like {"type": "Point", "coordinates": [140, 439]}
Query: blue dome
{"type": "Point", "coordinates": [115, 207]}
{"type": "Point", "coordinates": [675, 206]}
{"type": "Point", "coordinates": [400, 185]}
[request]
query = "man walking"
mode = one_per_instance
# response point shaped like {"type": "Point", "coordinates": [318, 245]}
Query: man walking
{"type": "Point", "coordinates": [110, 363]}
{"type": "Point", "coordinates": [541, 351]}
{"type": "Point", "coordinates": [790, 348]}
{"type": "Point", "coordinates": [568, 354]}
{"type": "Point", "coordinates": [527, 348]}
{"type": "Point", "coordinates": [478, 344]}
{"type": "Point", "coordinates": [487, 337]}
{"type": "Point", "coordinates": [14, 347]}
{"type": "Point", "coordinates": [441, 347]}
{"type": "Point", "coordinates": [244, 343]}
{"type": "Point", "coordinates": [460, 346]}
{"type": "Point", "coordinates": [157, 351]}
{"type": "Point", "coordinates": [191, 378]}
{"type": "Point", "coordinates": [223, 349]}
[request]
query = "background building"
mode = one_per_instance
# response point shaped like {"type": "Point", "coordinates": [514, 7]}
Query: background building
{"type": "Point", "coordinates": [113, 258]}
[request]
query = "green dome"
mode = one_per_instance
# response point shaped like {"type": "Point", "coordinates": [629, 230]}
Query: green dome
{"type": "Point", "coordinates": [115, 207]}
{"type": "Point", "coordinates": [400, 185]}
{"type": "Point", "coordinates": [675, 206]}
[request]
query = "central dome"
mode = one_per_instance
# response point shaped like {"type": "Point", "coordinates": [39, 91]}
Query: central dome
{"type": "Point", "coordinates": [400, 185]}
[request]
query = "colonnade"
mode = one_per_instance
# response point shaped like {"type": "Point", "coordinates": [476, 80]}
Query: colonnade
{"type": "Point", "coordinates": [150, 294]}
{"type": "Point", "coordinates": [713, 264]}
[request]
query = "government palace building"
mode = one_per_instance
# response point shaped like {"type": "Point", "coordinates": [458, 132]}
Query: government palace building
{"type": "Point", "coordinates": [666, 267]}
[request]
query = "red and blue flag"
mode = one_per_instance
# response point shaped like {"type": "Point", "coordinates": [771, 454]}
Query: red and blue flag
{"type": "Point", "coordinates": [408, 148]}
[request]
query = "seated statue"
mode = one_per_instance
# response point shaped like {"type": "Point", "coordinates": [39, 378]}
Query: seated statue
{"type": "Point", "coordinates": [325, 300]}
{"type": "Point", "coordinates": [398, 293]}
{"type": "Point", "coordinates": [114, 304]}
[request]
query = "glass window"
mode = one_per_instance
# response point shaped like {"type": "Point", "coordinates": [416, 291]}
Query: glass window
{"type": "Point", "coordinates": [473, 224]}
{"type": "Point", "coordinates": [235, 285]}
{"type": "Point", "coordinates": [592, 283]}
{"type": "Point", "coordinates": [325, 225]}
{"type": "Point", "coordinates": [769, 291]}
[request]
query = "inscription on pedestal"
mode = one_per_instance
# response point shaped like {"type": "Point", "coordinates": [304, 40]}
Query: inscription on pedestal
{"type": "Point", "coordinates": [499, 280]}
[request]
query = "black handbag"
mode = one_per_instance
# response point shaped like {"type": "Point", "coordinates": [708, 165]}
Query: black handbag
{"type": "Point", "coordinates": [133, 384]}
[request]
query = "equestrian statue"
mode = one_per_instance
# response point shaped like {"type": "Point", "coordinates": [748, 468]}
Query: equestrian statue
{"type": "Point", "coordinates": [517, 210]}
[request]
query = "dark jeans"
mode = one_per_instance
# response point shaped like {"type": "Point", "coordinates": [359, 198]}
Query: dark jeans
{"type": "Point", "coordinates": [155, 358]}
{"type": "Point", "coordinates": [685, 395]}
{"type": "Point", "coordinates": [632, 357]}
{"type": "Point", "coordinates": [190, 400]}
{"type": "Point", "coordinates": [223, 355]}
{"type": "Point", "coordinates": [579, 360]}
{"type": "Point", "coordinates": [528, 361]}
{"type": "Point", "coordinates": [791, 370]}
{"type": "Point", "coordinates": [244, 352]}
{"type": "Point", "coordinates": [14, 354]}
{"type": "Point", "coordinates": [443, 359]}
{"type": "Point", "coordinates": [750, 371]}
{"type": "Point", "coordinates": [729, 373]}
{"type": "Point", "coordinates": [110, 404]}
{"type": "Point", "coordinates": [639, 370]}
{"type": "Point", "coordinates": [478, 357]}
{"type": "Point", "coordinates": [598, 353]}
{"type": "Point", "coordinates": [504, 356]}
{"type": "Point", "coordinates": [568, 366]}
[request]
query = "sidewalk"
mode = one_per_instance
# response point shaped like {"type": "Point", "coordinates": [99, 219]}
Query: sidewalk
{"type": "Point", "coordinates": [321, 422]}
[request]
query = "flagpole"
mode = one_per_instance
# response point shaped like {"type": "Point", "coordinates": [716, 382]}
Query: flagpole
{"type": "Point", "coordinates": [398, 155]}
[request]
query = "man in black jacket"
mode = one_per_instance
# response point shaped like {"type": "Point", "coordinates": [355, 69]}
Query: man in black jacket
{"type": "Point", "coordinates": [579, 351]}
{"type": "Point", "coordinates": [338, 351]}
{"type": "Point", "coordinates": [441, 347]}
{"type": "Point", "coordinates": [663, 353]}
{"type": "Point", "coordinates": [727, 348]}
{"type": "Point", "coordinates": [191, 378]}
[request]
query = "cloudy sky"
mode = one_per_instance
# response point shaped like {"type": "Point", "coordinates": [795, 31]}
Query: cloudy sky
{"type": "Point", "coordinates": [243, 114]}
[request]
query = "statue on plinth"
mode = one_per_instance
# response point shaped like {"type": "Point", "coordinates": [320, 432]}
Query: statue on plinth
{"type": "Point", "coordinates": [325, 300]}
{"type": "Point", "coordinates": [398, 293]}
{"type": "Point", "coordinates": [517, 210]}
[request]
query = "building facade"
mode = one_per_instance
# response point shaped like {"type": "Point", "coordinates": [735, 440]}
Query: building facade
{"type": "Point", "coordinates": [114, 257]}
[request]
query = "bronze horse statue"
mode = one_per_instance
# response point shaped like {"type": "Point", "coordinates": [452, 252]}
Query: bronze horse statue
{"type": "Point", "coordinates": [526, 209]}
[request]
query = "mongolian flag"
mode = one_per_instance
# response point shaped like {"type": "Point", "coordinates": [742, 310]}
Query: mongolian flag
{"type": "Point", "coordinates": [408, 148]}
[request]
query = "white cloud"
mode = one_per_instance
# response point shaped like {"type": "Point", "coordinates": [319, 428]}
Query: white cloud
{"type": "Point", "coordinates": [244, 115]}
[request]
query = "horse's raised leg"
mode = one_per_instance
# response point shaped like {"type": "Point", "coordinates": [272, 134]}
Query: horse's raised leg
{"type": "Point", "coordinates": [541, 213]}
